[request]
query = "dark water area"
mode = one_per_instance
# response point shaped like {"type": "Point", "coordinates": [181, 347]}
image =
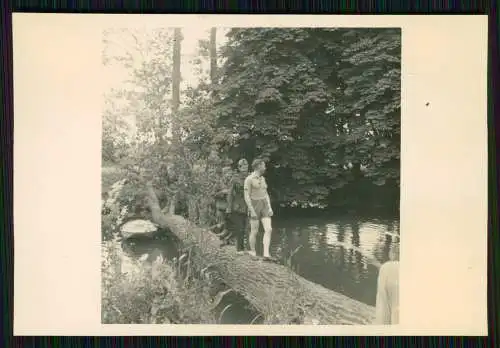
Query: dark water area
{"type": "Point", "coordinates": [338, 250]}
{"type": "Point", "coordinates": [339, 253]}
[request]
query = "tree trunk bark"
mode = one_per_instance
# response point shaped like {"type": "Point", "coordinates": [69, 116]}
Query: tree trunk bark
{"type": "Point", "coordinates": [176, 72]}
{"type": "Point", "coordinates": [176, 85]}
{"type": "Point", "coordinates": [213, 55]}
{"type": "Point", "coordinates": [274, 290]}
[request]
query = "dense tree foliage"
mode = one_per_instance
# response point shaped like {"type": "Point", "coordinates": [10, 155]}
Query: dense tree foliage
{"type": "Point", "coordinates": [321, 105]}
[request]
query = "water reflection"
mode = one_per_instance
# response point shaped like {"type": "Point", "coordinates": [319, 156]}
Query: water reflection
{"type": "Point", "coordinates": [340, 254]}
{"type": "Point", "coordinates": [167, 247]}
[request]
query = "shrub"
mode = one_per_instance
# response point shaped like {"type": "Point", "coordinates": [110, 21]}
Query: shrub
{"type": "Point", "coordinates": [139, 292]}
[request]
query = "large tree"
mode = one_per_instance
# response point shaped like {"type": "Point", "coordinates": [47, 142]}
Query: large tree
{"type": "Point", "coordinates": [371, 72]}
{"type": "Point", "coordinates": [321, 104]}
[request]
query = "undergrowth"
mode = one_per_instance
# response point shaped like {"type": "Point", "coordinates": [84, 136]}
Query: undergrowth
{"type": "Point", "coordinates": [141, 292]}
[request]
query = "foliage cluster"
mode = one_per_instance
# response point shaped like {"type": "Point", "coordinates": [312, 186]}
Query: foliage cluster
{"type": "Point", "coordinates": [140, 292]}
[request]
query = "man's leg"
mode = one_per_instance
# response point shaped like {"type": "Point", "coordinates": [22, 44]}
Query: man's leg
{"type": "Point", "coordinates": [232, 226]}
{"type": "Point", "coordinates": [252, 239]}
{"type": "Point", "coordinates": [266, 223]}
{"type": "Point", "coordinates": [240, 232]}
{"type": "Point", "coordinates": [225, 220]}
{"type": "Point", "coordinates": [219, 216]}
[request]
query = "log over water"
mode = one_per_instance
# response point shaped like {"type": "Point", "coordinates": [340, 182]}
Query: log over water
{"type": "Point", "coordinates": [269, 287]}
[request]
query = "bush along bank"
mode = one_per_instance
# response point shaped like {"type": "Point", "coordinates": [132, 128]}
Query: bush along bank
{"type": "Point", "coordinates": [136, 291]}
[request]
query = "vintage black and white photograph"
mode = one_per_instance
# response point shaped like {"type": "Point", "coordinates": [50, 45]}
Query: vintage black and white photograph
{"type": "Point", "coordinates": [251, 175]}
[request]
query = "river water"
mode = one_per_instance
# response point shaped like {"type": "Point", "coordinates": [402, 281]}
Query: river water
{"type": "Point", "coordinates": [339, 252]}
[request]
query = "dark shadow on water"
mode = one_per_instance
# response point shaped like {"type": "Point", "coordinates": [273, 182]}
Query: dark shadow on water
{"type": "Point", "coordinates": [163, 243]}
{"type": "Point", "coordinates": [339, 252]}
{"type": "Point", "coordinates": [240, 311]}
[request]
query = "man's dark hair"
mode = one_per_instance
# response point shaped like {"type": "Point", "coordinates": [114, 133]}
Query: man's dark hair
{"type": "Point", "coordinates": [257, 162]}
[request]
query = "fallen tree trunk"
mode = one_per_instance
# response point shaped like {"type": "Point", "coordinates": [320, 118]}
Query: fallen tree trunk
{"type": "Point", "coordinates": [274, 290]}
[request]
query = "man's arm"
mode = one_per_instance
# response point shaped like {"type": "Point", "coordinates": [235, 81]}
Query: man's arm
{"type": "Point", "coordinates": [230, 196]}
{"type": "Point", "coordinates": [268, 198]}
{"type": "Point", "coordinates": [247, 187]}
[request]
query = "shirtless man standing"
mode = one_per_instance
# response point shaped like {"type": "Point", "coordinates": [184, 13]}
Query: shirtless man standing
{"type": "Point", "coordinates": [259, 207]}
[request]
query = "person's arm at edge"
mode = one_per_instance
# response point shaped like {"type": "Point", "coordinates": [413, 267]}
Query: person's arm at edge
{"type": "Point", "coordinates": [382, 310]}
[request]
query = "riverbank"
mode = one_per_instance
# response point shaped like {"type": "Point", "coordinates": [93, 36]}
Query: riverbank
{"type": "Point", "coordinates": [360, 285]}
{"type": "Point", "coordinates": [144, 284]}
{"type": "Point", "coordinates": [150, 288]}
{"type": "Point", "coordinates": [145, 291]}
